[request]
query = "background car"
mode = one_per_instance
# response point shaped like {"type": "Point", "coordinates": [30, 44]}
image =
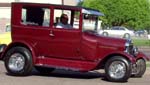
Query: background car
{"type": "Point", "coordinates": [141, 33]}
{"type": "Point", "coordinates": [117, 31]}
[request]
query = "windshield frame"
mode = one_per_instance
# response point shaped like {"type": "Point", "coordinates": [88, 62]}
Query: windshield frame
{"type": "Point", "coordinates": [91, 23]}
{"type": "Point", "coordinates": [94, 13]}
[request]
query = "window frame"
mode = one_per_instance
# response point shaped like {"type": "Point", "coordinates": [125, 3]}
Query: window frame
{"type": "Point", "coordinates": [68, 9]}
{"type": "Point", "coordinates": [37, 26]}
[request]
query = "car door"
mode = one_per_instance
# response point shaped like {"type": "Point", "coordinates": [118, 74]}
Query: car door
{"type": "Point", "coordinates": [117, 31]}
{"type": "Point", "coordinates": [65, 43]}
{"type": "Point", "coordinates": [36, 25]}
{"type": "Point", "coordinates": [114, 31]}
{"type": "Point", "coordinates": [123, 31]}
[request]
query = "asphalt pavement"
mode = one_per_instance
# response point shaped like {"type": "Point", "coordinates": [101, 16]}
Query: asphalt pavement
{"type": "Point", "coordinates": [62, 77]}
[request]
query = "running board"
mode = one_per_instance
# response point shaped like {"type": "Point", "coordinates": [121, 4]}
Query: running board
{"type": "Point", "coordinates": [74, 65]}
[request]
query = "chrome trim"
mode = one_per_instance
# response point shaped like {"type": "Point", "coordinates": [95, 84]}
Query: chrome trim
{"type": "Point", "coordinates": [16, 62]}
{"type": "Point", "coordinates": [108, 47]}
{"type": "Point", "coordinates": [130, 48]}
{"type": "Point", "coordinates": [117, 69]}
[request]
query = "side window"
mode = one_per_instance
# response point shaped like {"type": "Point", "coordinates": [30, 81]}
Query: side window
{"type": "Point", "coordinates": [122, 28]}
{"type": "Point", "coordinates": [115, 28]}
{"type": "Point", "coordinates": [35, 16]}
{"type": "Point", "coordinates": [67, 19]}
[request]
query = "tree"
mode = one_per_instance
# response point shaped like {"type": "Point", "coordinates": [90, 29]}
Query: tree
{"type": "Point", "coordinates": [130, 13]}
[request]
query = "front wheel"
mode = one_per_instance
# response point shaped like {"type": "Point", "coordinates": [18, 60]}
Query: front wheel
{"type": "Point", "coordinates": [18, 61]}
{"type": "Point", "coordinates": [127, 36]}
{"type": "Point", "coordinates": [140, 68]}
{"type": "Point", "coordinates": [117, 69]}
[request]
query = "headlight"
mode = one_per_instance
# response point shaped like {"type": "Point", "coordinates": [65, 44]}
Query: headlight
{"type": "Point", "coordinates": [128, 46]}
{"type": "Point", "coordinates": [130, 49]}
{"type": "Point", "coordinates": [135, 51]}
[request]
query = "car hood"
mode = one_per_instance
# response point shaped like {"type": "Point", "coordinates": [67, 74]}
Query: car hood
{"type": "Point", "coordinates": [111, 41]}
{"type": "Point", "coordinates": [107, 41]}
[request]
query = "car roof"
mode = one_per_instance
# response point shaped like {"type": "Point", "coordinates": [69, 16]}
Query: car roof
{"type": "Point", "coordinates": [83, 9]}
{"type": "Point", "coordinates": [94, 12]}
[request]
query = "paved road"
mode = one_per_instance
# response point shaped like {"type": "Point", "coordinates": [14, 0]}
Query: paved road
{"type": "Point", "coordinates": [61, 77]}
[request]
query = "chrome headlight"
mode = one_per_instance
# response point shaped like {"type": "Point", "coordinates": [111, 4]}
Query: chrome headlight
{"type": "Point", "coordinates": [135, 51]}
{"type": "Point", "coordinates": [130, 48]}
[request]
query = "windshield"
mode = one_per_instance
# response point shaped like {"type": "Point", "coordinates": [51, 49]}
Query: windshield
{"type": "Point", "coordinates": [90, 22]}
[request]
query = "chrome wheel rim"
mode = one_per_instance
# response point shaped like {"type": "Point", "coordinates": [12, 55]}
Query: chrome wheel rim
{"type": "Point", "coordinates": [117, 69]}
{"type": "Point", "coordinates": [140, 65]}
{"type": "Point", "coordinates": [16, 62]}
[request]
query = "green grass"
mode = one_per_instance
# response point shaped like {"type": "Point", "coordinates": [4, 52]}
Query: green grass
{"type": "Point", "coordinates": [147, 64]}
{"type": "Point", "coordinates": [141, 42]}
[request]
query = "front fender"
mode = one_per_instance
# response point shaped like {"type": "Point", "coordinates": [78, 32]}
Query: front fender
{"type": "Point", "coordinates": [124, 54]}
{"type": "Point", "coordinates": [143, 56]}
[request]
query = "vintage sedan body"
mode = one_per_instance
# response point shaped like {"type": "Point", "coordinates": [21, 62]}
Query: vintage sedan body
{"type": "Point", "coordinates": [37, 42]}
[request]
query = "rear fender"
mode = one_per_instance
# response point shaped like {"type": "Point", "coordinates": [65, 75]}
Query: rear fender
{"type": "Point", "coordinates": [13, 44]}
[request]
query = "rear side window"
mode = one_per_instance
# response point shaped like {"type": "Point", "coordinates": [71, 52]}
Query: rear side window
{"type": "Point", "coordinates": [35, 16]}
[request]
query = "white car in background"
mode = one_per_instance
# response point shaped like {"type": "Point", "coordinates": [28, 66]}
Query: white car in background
{"type": "Point", "coordinates": [117, 31]}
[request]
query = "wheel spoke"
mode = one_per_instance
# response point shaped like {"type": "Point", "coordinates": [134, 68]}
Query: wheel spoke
{"type": "Point", "coordinates": [16, 62]}
{"type": "Point", "coordinates": [117, 69]}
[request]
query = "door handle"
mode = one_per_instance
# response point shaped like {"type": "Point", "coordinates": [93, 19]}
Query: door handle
{"type": "Point", "coordinates": [51, 34]}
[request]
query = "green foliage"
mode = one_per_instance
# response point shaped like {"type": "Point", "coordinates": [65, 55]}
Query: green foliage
{"type": "Point", "coordinates": [130, 13]}
{"type": "Point", "coordinates": [141, 42]}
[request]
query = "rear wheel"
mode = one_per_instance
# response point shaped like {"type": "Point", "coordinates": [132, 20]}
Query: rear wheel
{"type": "Point", "coordinates": [117, 69]}
{"type": "Point", "coordinates": [140, 69]}
{"type": "Point", "coordinates": [105, 33]}
{"type": "Point", "coordinates": [18, 61]}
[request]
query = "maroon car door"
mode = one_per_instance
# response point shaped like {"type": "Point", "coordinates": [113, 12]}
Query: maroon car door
{"type": "Point", "coordinates": [65, 43]}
